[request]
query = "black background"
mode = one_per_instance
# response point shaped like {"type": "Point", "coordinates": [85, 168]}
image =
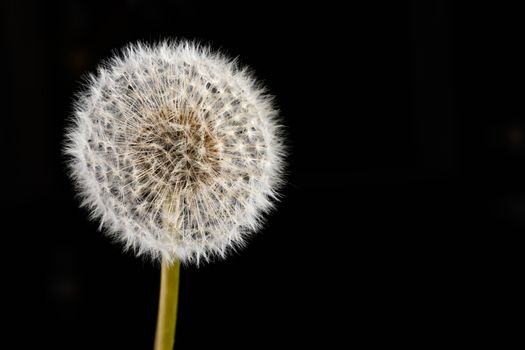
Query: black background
{"type": "Point", "coordinates": [405, 202]}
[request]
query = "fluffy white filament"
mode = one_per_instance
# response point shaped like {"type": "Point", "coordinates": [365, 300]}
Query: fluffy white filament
{"type": "Point", "coordinates": [176, 150]}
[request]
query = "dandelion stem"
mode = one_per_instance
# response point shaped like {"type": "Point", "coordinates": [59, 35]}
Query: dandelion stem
{"type": "Point", "coordinates": [168, 300]}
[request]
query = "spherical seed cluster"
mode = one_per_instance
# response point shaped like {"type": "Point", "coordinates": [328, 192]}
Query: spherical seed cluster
{"type": "Point", "coordinates": [176, 150]}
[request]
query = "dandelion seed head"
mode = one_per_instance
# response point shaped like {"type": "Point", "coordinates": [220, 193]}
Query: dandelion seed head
{"type": "Point", "coordinates": [176, 150]}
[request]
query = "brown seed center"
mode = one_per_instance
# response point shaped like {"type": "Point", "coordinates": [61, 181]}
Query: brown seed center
{"type": "Point", "coordinates": [176, 148]}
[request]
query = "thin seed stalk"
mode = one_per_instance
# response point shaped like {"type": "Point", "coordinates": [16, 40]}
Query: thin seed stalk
{"type": "Point", "coordinates": [168, 300]}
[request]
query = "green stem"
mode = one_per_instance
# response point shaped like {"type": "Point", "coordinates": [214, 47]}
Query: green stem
{"type": "Point", "coordinates": [168, 299]}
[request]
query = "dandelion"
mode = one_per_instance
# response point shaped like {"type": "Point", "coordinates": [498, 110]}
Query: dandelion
{"type": "Point", "coordinates": [177, 151]}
